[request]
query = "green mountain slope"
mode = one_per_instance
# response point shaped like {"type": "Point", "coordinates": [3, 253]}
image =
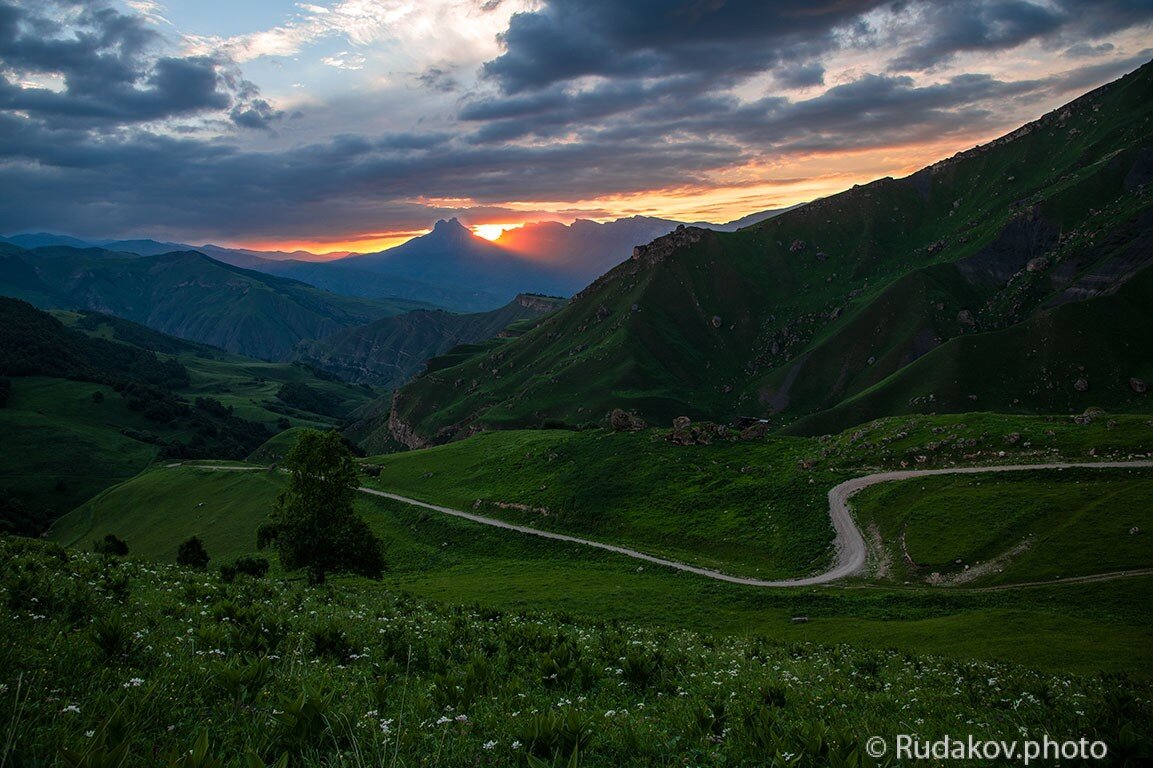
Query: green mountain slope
{"type": "Point", "coordinates": [188, 295]}
{"type": "Point", "coordinates": [93, 400]}
{"type": "Point", "coordinates": [392, 350]}
{"type": "Point", "coordinates": [800, 313]}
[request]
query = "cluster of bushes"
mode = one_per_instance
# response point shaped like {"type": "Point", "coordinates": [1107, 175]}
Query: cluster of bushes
{"type": "Point", "coordinates": [299, 395]}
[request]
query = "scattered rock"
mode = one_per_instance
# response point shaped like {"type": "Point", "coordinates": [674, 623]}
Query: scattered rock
{"type": "Point", "coordinates": [965, 317]}
{"type": "Point", "coordinates": [1081, 384]}
{"type": "Point", "coordinates": [623, 421]}
{"type": "Point", "coordinates": [1138, 386]}
{"type": "Point", "coordinates": [755, 431]}
{"type": "Point", "coordinates": [1039, 264]}
{"type": "Point", "coordinates": [716, 321]}
{"type": "Point", "coordinates": [797, 246]}
{"type": "Point", "coordinates": [682, 422]}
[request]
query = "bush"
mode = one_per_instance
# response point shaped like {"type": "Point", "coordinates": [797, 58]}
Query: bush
{"type": "Point", "coordinates": [111, 545]}
{"type": "Point", "coordinates": [256, 567]}
{"type": "Point", "coordinates": [192, 554]}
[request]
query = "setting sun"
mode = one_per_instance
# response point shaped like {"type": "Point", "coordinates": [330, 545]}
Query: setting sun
{"type": "Point", "coordinates": [492, 231]}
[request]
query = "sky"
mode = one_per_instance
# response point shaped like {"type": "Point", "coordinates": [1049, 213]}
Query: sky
{"type": "Point", "coordinates": [355, 124]}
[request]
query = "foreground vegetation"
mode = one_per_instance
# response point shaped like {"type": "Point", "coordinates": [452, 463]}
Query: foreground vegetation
{"type": "Point", "coordinates": [107, 656]}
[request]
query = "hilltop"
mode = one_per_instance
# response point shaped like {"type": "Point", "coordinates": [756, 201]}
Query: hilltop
{"type": "Point", "coordinates": [189, 295]}
{"type": "Point", "coordinates": [390, 351]}
{"type": "Point", "coordinates": [91, 400]}
{"type": "Point", "coordinates": [1028, 253]}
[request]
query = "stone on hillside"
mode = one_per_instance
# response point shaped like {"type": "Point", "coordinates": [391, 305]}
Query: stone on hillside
{"type": "Point", "coordinates": [1081, 384]}
{"type": "Point", "coordinates": [623, 421]}
{"type": "Point", "coordinates": [1138, 386]}
{"type": "Point", "coordinates": [965, 317]}
{"type": "Point", "coordinates": [796, 246]}
{"type": "Point", "coordinates": [755, 431]}
{"type": "Point", "coordinates": [682, 422]}
{"type": "Point", "coordinates": [1038, 264]}
{"type": "Point", "coordinates": [716, 321]}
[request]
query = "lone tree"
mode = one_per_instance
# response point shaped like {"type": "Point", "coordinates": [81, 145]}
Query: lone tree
{"type": "Point", "coordinates": [192, 554]}
{"type": "Point", "coordinates": [313, 526]}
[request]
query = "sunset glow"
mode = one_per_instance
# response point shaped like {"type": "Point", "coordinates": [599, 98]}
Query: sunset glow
{"type": "Point", "coordinates": [492, 231]}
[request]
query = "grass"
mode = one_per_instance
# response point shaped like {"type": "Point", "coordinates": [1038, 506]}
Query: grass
{"type": "Point", "coordinates": [61, 448]}
{"type": "Point", "coordinates": [1071, 522]}
{"type": "Point", "coordinates": [1072, 628]}
{"type": "Point", "coordinates": [157, 510]}
{"type": "Point", "coordinates": [105, 655]}
{"type": "Point", "coordinates": [738, 506]}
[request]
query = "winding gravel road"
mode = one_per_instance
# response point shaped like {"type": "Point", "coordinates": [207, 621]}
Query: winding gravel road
{"type": "Point", "coordinates": [851, 551]}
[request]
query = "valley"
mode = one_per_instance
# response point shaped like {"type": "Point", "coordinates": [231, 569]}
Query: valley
{"type": "Point", "coordinates": [595, 486]}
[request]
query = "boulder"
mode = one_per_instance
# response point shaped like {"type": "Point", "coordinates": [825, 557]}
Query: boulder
{"type": "Point", "coordinates": [682, 422]}
{"type": "Point", "coordinates": [1081, 384]}
{"type": "Point", "coordinates": [623, 421]}
{"type": "Point", "coordinates": [1138, 386]}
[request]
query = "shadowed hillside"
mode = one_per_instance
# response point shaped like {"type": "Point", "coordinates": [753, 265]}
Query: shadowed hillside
{"type": "Point", "coordinates": [799, 314]}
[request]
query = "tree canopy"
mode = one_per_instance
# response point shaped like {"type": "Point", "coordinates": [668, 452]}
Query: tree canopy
{"type": "Point", "coordinates": [313, 525]}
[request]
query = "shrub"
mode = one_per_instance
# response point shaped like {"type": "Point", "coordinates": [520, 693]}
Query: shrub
{"type": "Point", "coordinates": [111, 544]}
{"type": "Point", "coordinates": [256, 567]}
{"type": "Point", "coordinates": [192, 554]}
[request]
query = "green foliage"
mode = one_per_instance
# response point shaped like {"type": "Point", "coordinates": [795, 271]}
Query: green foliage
{"type": "Point", "coordinates": [111, 544]}
{"type": "Point", "coordinates": [256, 567]}
{"type": "Point", "coordinates": [187, 694]}
{"type": "Point", "coordinates": [300, 395]}
{"type": "Point", "coordinates": [313, 525]}
{"type": "Point", "coordinates": [192, 553]}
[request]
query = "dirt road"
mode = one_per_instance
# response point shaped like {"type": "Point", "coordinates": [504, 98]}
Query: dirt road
{"type": "Point", "coordinates": [849, 544]}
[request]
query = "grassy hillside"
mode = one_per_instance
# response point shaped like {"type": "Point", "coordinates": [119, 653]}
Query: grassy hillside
{"type": "Point", "coordinates": [113, 396]}
{"type": "Point", "coordinates": [392, 350]}
{"type": "Point", "coordinates": [1073, 627]}
{"type": "Point", "coordinates": [153, 657]}
{"type": "Point", "coordinates": [158, 509]}
{"type": "Point", "coordinates": [980, 530]}
{"type": "Point", "coordinates": [188, 295]}
{"type": "Point", "coordinates": [1061, 360]}
{"type": "Point", "coordinates": [820, 304]}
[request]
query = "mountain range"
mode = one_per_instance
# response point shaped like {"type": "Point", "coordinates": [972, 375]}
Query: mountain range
{"type": "Point", "coordinates": [189, 295]}
{"type": "Point", "coordinates": [448, 267]}
{"type": "Point", "coordinates": [1011, 277]}
{"type": "Point", "coordinates": [390, 351]}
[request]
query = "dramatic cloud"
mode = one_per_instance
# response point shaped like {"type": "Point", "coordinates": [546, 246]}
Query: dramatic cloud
{"type": "Point", "coordinates": [107, 67]}
{"type": "Point", "coordinates": [114, 121]}
{"type": "Point", "coordinates": [570, 39]}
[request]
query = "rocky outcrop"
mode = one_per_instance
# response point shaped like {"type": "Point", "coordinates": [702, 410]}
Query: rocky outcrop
{"type": "Point", "coordinates": [402, 432]}
{"type": "Point", "coordinates": [623, 421]}
{"type": "Point", "coordinates": [660, 249]}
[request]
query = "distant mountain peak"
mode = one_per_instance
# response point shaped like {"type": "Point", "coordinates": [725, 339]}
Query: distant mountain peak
{"type": "Point", "coordinates": [450, 226]}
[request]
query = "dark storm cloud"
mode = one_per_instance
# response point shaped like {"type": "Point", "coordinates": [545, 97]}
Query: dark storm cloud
{"type": "Point", "coordinates": [110, 71]}
{"type": "Point", "coordinates": [975, 26]}
{"type": "Point", "coordinates": [569, 39]}
{"type": "Point", "coordinates": [996, 25]}
{"type": "Point", "coordinates": [589, 99]}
